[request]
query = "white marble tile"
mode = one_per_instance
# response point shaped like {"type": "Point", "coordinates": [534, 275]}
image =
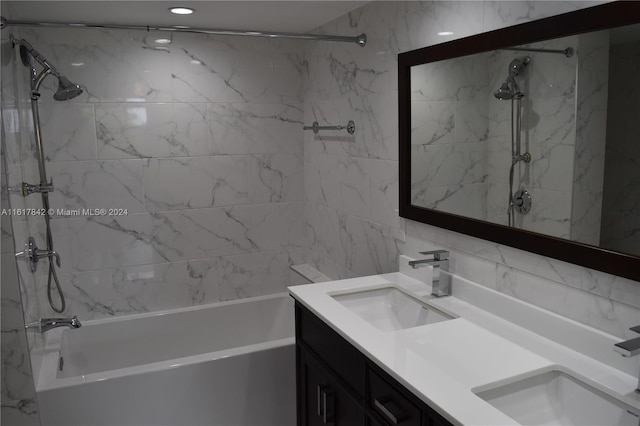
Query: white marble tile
{"type": "Point", "coordinates": [339, 182]}
{"type": "Point", "coordinates": [154, 287]}
{"type": "Point", "coordinates": [499, 14]}
{"type": "Point", "coordinates": [23, 412]}
{"type": "Point", "coordinates": [383, 195]}
{"type": "Point", "coordinates": [201, 75]}
{"type": "Point", "coordinates": [89, 295]}
{"type": "Point", "coordinates": [600, 313]}
{"type": "Point", "coordinates": [197, 233]}
{"type": "Point", "coordinates": [470, 199]}
{"type": "Point", "coordinates": [245, 128]}
{"type": "Point", "coordinates": [110, 184]}
{"type": "Point", "coordinates": [109, 242]}
{"type": "Point", "coordinates": [111, 66]}
{"type": "Point", "coordinates": [433, 122]}
{"type": "Point", "coordinates": [276, 177]}
{"type": "Point", "coordinates": [372, 249]}
{"type": "Point", "coordinates": [254, 274]}
{"type": "Point", "coordinates": [68, 131]}
{"type": "Point", "coordinates": [447, 165]}
{"type": "Point", "coordinates": [463, 78]}
{"type": "Point", "coordinates": [135, 130]}
{"type": "Point", "coordinates": [195, 182]}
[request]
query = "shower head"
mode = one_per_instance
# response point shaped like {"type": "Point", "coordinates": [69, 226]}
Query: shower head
{"type": "Point", "coordinates": [504, 92]}
{"type": "Point", "coordinates": [517, 64]}
{"type": "Point", "coordinates": [510, 89]}
{"type": "Point", "coordinates": [66, 89]}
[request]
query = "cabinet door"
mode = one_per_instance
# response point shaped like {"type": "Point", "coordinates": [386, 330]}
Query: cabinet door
{"type": "Point", "coordinates": [322, 401]}
{"type": "Point", "coordinates": [312, 388]}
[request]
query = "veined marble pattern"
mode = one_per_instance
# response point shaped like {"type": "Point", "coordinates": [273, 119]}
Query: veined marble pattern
{"type": "Point", "coordinates": [276, 177]}
{"type": "Point", "coordinates": [254, 274]}
{"type": "Point", "coordinates": [136, 130]}
{"type": "Point", "coordinates": [195, 182]}
{"type": "Point", "coordinates": [97, 184]}
{"type": "Point", "coordinates": [242, 128]}
{"type": "Point", "coordinates": [68, 132]}
{"type": "Point", "coordinates": [339, 182]}
{"type": "Point", "coordinates": [383, 192]}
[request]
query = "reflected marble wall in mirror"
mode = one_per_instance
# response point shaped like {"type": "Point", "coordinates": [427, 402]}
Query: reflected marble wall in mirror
{"type": "Point", "coordinates": [541, 141]}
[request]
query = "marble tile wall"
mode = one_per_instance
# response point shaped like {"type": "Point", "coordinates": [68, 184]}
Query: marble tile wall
{"type": "Point", "coordinates": [198, 146]}
{"type": "Point", "coordinates": [357, 237]}
{"type": "Point", "coordinates": [621, 203]}
{"type": "Point", "coordinates": [591, 129]}
{"type": "Point", "coordinates": [19, 406]}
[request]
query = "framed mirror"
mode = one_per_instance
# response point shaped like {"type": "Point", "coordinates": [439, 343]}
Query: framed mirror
{"type": "Point", "coordinates": [529, 136]}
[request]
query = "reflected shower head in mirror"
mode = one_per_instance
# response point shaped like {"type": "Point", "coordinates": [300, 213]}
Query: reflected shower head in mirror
{"type": "Point", "coordinates": [510, 89]}
{"type": "Point", "coordinates": [66, 89]}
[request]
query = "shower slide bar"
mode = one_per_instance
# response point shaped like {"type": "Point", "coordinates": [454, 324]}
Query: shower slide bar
{"type": "Point", "coordinates": [350, 127]}
{"type": "Point", "coordinates": [568, 52]}
{"type": "Point", "coordinates": [360, 40]}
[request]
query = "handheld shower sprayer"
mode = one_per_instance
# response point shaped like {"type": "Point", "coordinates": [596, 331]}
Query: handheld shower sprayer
{"type": "Point", "coordinates": [66, 90]}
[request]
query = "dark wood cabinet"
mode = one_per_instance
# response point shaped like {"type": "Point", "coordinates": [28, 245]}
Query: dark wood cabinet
{"type": "Point", "coordinates": [340, 386]}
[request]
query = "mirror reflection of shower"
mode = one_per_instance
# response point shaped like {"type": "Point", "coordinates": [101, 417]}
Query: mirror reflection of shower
{"type": "Point", "coordinates": [66, 90]}
{"type": "Point", "coordinates": [510, 90]}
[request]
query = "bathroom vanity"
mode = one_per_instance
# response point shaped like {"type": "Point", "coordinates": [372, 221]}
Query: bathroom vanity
{"type": "Point", "coordinates": [339, 385]}
{"type": "Point", "coordinates": [379, 350]}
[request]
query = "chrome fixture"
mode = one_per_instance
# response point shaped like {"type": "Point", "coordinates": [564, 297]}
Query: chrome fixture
{"type": "Point", "coordinates": [509, 90]}
{"type": "Point", "coordinates": [66, 90]}
{"type": "Point", "coordinates": [568, 52]}
{"type": "Point", "coordinates": [360, 40]}
{"type": "Point", "coordinates": [630, 348]}
{"type": "Point", "coordinates": [33, 254]}
{"type": "Point", "coordinates": [45, 324]}
{"type": "Point", "coordinates": [522, 201]}
{"type": "Point", "coordinates": [350, 127]}
{"type": "Point", "coordinates": [441, 286]}
{"type": "Point", "coordinates": [28, 189]}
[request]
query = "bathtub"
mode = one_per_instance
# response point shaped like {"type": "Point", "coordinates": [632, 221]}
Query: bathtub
{"type": "Point", "coordinates": [223, 364]}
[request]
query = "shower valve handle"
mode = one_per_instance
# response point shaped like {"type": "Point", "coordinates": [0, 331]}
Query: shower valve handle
{"type": "Point", "coordinates": [28, 189]}
{"type": "Point", "coordinates": [33, 254]}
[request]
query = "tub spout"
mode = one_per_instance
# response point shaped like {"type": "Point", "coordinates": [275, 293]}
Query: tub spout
{"type": "Point", "coordinates": [45, 324]}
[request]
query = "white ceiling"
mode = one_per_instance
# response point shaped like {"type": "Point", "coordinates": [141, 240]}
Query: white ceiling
{"type": "Point", "coordinates": [291, 16]}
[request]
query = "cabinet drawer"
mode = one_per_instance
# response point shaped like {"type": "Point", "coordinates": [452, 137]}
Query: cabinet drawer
{"type": "Point", "coordinates": [344, 359]}
{"type": "Point", "coordinates": [389, 404]}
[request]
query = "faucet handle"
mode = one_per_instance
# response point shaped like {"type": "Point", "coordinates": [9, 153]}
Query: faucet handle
{"type": "Point", "coordinates": [437, 254]}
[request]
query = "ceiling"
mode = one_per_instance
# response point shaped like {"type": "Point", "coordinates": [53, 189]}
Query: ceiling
{"type": "Point", "coordinates": [289, 16]}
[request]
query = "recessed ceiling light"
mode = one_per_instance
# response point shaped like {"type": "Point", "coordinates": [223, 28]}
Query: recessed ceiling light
{"type": "Point", "coordinates": [445, 33]}
{"type": "Point", "coordinates": [163, 41]}
{"type": "Point", "coordinates": [181, 10]}
{"type": "Point", "coordinates": [77, 64]}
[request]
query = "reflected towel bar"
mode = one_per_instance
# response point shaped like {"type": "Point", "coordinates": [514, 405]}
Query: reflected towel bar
{"type": "Point", "coordinates": [351, 127]}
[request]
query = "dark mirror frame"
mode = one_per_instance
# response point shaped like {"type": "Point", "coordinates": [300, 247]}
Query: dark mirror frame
{"type": "Point", "coordinates": [595, 18]}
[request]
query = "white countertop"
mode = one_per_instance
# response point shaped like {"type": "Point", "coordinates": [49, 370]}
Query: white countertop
{"type": "Point", "coordinates": [442, 363]}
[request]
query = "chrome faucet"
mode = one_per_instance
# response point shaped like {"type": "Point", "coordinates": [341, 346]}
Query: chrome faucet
{"type": "Point", "coordinates": [45, 324]}
{"type": "Point", "coordinates": [630, 348]}
{"type": "Point", "coordinates": [440, 286]}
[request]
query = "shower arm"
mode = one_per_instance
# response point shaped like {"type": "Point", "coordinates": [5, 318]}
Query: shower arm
{"type": "Point", "coordinates": [37, 56]}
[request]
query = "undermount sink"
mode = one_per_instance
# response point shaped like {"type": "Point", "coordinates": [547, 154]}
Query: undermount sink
{"type": "Point", "coordinates": [557, 398]}
{"type": "Point", "coordinates": [390, 309]}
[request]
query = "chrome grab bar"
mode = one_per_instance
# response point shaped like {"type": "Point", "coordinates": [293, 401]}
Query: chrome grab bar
{"type": "Point", "coordinates": [350, 127]}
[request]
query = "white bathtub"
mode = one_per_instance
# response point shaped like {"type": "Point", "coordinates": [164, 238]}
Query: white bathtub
{"type": "Point", "coordinates": [224, 364]}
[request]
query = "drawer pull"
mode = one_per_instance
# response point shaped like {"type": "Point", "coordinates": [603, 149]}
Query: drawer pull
{"type": "Point", "coordinates": [319, 400]}
{"type": "Point", "coordinates": [325, 404]}
{"type": "Point", "coordinates": [390, 409]}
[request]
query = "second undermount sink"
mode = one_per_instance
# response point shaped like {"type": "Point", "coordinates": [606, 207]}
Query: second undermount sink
{"type": "Point", "coordinates": [390, 308]}
{"type": "Point", "coordinates": [557, 398]}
